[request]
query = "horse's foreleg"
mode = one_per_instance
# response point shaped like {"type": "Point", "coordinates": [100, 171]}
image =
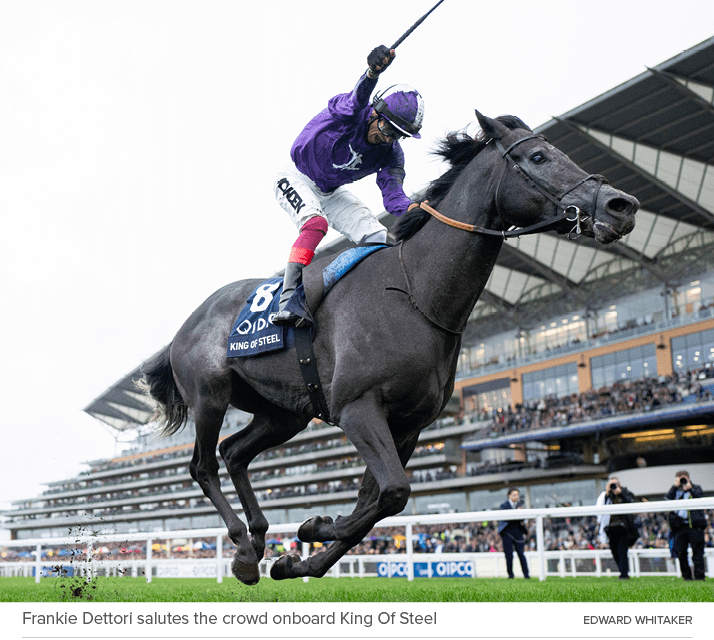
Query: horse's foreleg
{"type": "Point", "coordinates": [386, 491]}
{"type": "Point", "coordinates": [323, 529]}
{"type": "Point", "coordinates": [241, 448]}
{"type": "Point", "coordinates": [319, 529]}
{"type": "Point", "coordinates": [290, 565]}
{"type": "Point", "coordinates": [204, 470]}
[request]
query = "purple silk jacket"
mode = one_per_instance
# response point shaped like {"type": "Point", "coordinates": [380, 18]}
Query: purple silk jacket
{"type": "Point", "coordinates": [332, 150]}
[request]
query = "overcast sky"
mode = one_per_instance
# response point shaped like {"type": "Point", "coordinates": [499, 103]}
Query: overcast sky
{"type": "Point", "coordinates": [139, 141]}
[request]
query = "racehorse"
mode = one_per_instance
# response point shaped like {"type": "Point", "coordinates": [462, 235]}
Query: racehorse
{"type": "Point", "coordinates": [388, 336]}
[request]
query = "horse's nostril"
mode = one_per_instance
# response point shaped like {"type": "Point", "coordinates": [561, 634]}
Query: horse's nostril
{"type": "Point", "coordinates": [619, 205]}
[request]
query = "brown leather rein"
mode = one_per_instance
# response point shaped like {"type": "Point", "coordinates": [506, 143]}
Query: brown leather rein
{"type": "Point", "coordinates": [510, 233]}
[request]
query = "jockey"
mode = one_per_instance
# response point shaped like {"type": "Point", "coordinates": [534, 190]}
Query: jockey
{"type": "Point", "coordinates": [347, 141]}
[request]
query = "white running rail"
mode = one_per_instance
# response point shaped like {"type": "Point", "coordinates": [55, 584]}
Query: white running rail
{"type": "Point", "coordinates": [220, 565]}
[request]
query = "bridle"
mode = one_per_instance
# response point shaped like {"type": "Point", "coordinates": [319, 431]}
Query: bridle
{"type": "Point", "coordinates": [570, 213]}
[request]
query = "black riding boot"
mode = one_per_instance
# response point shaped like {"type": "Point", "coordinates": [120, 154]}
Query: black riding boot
{"type": "Point", "coordinates": [292, 278]}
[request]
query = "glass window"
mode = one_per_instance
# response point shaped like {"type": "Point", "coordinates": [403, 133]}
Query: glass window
{"type": "Point", "coordinates": [628, 364]}
{"type": "Point", "coordinates": [558, 334]}
{"type": "Point", "coordinates": [441, 503]}
{"type": "Point", "coordinates": [486, 500]}
{"type": "Point", "coordinates": [153, 525]}
{"type": "Point", "coordinates": [556, 381]}
{"type": "Point", "coordinates": [175, 524]}
{"type": "Point", "coordinates": [275, 516]}
{"type": "Point", "coordinates": [708, 346]}
{"type": "Point", "coordinates": [563, 494]}
{"type": "Point", "coordinates": [300, 514]}
{"type": "Point", "coordinates": [488, 396]}
{"type": "Point", "coordinates": [205, 522]}
{"type": "Point", "coordinates": [693, 351]}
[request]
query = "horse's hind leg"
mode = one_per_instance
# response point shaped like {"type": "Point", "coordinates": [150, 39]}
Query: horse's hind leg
{"type": "Point", "coordinates": [238, 450]}
{"type": "Point", "coordinates": [204, 470]}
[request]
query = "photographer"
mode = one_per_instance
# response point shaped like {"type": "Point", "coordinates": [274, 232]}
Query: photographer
{"type": "Point", "coordinates": [619, 530]}
{"type": "Point", "coordinates": [687, 526]}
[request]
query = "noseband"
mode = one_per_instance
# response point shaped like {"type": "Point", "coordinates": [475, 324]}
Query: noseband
{"type": "Point", "coordinates": [570, 213]}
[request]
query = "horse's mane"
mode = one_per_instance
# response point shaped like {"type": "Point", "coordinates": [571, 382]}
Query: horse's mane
{"type": "Point", "coordinates": [458, 148]}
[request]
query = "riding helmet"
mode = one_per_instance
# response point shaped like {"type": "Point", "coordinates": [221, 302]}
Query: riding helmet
{"type": "Point", "coordinates": [403, 107]}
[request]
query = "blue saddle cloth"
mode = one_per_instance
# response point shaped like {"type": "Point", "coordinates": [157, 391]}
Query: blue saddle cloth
{"type": "Point", "coordinates": [253, 331]}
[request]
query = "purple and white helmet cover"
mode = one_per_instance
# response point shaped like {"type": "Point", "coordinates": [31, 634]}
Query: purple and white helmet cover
{"type": "Point", "coordinates": [403, 107]}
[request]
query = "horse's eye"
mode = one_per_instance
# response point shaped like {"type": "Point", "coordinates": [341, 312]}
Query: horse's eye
{"type": "Point", "coordinates": [538, 158]}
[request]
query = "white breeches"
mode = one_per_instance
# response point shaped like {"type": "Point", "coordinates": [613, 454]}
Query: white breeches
{"type": "Point", "coordinates": [302, 199]}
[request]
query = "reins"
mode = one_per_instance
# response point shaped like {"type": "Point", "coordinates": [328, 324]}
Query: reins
{"type": "Point", "coordinates": [510, 233]}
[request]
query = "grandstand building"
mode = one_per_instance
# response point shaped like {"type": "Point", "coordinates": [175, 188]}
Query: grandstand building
{"type": "Point", "coordinates": [578, 361]}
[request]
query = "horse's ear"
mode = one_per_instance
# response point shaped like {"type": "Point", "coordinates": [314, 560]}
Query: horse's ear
{"type": "Point", "coordinates": [491, 128]}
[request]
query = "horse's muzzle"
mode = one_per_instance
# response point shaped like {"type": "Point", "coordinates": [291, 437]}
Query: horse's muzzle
{"type": "Point", "coordinates": [614, 215]}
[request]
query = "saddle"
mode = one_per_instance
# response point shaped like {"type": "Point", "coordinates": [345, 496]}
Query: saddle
{"type": "Point", "coordinates": [319, 277]}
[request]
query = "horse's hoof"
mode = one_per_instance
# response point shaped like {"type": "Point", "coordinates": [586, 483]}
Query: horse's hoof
{"type": "Point", "coordinates": [310, 530]}
{"type": "Point", "coordinates": [247, 572]}
{"type": "Point", "coordinates": [282, 567]}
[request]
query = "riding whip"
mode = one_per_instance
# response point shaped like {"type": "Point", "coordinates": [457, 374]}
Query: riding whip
{"type": "Point", "coordinates": [415, 25]}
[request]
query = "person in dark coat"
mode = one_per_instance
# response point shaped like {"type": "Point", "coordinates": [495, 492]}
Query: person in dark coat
{"type": "Point", "coordinates": [687, 526]}
{"type": "Point", "coordinates": [513, 533]}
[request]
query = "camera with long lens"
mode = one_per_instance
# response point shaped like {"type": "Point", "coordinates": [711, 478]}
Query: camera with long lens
{"type": "Point", "coordinates": [683, 481]}
{"type": "Point", "coordinates": [612, 487]}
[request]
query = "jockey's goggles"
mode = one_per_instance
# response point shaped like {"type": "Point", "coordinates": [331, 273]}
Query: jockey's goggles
{"type": "Point", "coordinates": [388, 130]}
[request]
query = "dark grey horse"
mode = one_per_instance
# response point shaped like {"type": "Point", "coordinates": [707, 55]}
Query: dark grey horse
{"type": "Point", "coordinates": [388, 337]}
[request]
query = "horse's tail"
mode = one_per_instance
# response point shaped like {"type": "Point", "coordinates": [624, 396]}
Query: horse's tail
{"type": "Point", "coordinates": [158, 383]}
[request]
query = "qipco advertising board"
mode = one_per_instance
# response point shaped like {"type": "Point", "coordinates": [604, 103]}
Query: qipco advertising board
{"type": "Point", "coordinates": [446, 569]}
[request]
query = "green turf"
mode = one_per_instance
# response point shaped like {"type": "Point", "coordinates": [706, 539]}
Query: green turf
{"type": "Point", "coordinates": [585, 589]}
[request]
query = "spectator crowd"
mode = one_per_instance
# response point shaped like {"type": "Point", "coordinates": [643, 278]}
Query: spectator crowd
{"type": "Point", "coordinates": [625, 397]}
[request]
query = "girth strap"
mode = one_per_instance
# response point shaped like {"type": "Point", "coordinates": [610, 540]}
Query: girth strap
{"type": "Point", "coordinates": [308, 369]}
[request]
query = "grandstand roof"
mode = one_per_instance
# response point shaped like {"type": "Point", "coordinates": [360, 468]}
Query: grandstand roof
{"type": "Point", "coordinates": [652, 137]}
{"type": "Point", "coordinates": [122, 406]}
